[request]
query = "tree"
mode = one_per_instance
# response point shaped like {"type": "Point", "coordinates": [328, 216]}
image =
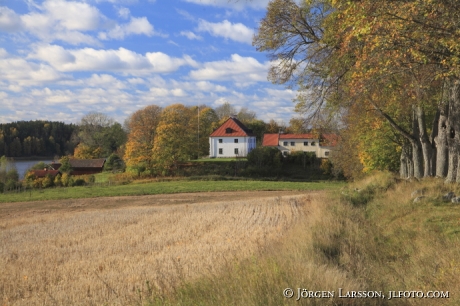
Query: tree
{"type": "Point", "coordinates": [389, 56]}
{"type": "Point", "coordinates": [225, 110]}
{"type": "Point", "coordinates": [141, 127]}
{"type": "Point", "coordinates": [206, 120]}
{"type": "Point", "coordinates": [113, 163]}
{"type": "Point", "coordinates": [99, 135]}
{"type": "Point", "coordinates": [176, 137]}
{"type": "Point", "coordinates": [65, 167]}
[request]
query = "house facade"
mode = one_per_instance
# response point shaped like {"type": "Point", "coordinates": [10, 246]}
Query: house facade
{"type": "Point", "coordinates": [288, 143]}
{"type": "Point", "coordinates": [231, 139]}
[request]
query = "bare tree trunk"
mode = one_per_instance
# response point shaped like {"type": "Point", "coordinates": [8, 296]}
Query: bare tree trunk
{"type": "Point", "coordinates": [426, 147]}
{"type": "Point", "coordinates": [406, 169]}
{"type": "Point", "coordinates": [453, 132]}
{"type": "Point", "coordinates": [440, 137]}
{"type": "Point", "coordinates": [417, 155]}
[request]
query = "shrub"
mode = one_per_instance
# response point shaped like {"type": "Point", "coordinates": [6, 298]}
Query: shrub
{"type": "Point", "coordinates": [47, 181]}
{"type": "Point", "coordinates": [65, 179]}
{"type": "Point", "coordinates": [57, 180]}
{"type": "Point", "coordinates": [78, 182]}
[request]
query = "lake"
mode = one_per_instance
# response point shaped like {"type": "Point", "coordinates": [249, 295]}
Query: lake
{"type": "Point", "coordinates": [23, 165]}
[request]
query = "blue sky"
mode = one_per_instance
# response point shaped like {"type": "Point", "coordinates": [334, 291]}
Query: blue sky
{"type": "Point", "coordinates": [61, 59]}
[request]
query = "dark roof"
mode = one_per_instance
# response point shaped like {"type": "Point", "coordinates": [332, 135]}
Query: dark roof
{"type": "Point", "coordinates": [87, 163]}
{"type": "Point", "coordinates": [43, 173]}
{"type": "Point", "coordinates": [234, 127]}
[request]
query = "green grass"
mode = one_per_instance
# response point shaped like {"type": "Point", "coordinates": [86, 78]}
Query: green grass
{"type": "Point", "coordinates": [162, 188]}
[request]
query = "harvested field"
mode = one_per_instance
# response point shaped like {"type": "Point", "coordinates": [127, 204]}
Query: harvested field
{"type": "Point", "coordinates": [83, 253]}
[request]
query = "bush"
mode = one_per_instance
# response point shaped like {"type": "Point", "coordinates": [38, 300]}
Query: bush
{"type": "Point", "coordinates": [47, 181]}
{"type": "Point", "coordinates": [78, 182]}
{"type": "Point", "coordinates": [265, 156]}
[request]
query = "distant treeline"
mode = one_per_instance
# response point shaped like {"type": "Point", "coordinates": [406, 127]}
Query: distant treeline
{"type": "Point", "coordinates": [36, 138]}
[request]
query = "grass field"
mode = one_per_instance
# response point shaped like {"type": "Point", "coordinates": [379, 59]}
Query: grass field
{"type": "Point", "coordinates": [162, 188]}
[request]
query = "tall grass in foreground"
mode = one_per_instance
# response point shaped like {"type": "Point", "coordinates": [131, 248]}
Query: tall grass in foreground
{"type": "Point", "coordinates": [370, 237]}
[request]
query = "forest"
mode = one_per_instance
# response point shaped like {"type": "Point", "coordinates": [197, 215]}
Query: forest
{"type": "Point", "coordinates": [36, 138]}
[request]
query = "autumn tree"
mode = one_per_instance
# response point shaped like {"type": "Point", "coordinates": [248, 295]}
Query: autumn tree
{"type": "Point", "coordinates": [389, 56]}
{"type": "Point", "coordinates": [175, 139]}
{"type": "Point", "coordinates": [141, 126]}
{"type": "Point", "coordinates": [206, 119]}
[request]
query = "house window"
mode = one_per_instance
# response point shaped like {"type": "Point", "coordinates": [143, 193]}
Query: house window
{"type": "Point", "coordinates": [285, 143]}
{"type": "Point", "coordinates": [305, 143]}
{"type": "Point", "coordinates": [236, 140]}
{"type": "Point", "coordinates": [220, 140]}
{"type": "Point", "coordinates": [236, 151]}
{"type": "Point", "coordinates": [221, 151]}
{"type": "Point", "coordinates": [326, 153]}
{"type": "Point", "coordinates": [292, 143]}
{"type": "Point", "coordinates": [313, 143]}
{"type": "Point", "coordinates": [285, 153]}
{"type": "Point", "coordinates": [228, 130]}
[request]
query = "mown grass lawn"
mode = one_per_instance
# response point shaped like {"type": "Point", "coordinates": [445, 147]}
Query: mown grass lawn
{"type": "Point", "coordinates": [162, 188]}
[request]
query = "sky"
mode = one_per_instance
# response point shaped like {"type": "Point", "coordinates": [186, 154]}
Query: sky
{"type": "Point", "coordinates": [60, 60]}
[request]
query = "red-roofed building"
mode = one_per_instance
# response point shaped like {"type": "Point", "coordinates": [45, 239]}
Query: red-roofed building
{"type": "Point", "coordinates": [83, 166]}
{"type": "Point", "coordinates": [288, 143]}
{"type": "Point", "coordinates": [231, 139]}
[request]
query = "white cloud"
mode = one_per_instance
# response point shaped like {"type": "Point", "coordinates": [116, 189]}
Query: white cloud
{"type": "Point", "coordinates": [124, 12]}
{"type": "Point", "coordinates": [239, 69]}
{"type": "Point", "coordinates": [136, 26]}
{"type": "Point", "coordinates": [9, 20]}
{"type": "Point", "coordinates": [73, 15]}
{"type": "Point", "coordinates": [234, 31]}
{"type": "Point", "coordinates": [3, 53]}
{"type": "Point", "coordinates": [121, 60]}
{"type": "Point", "coordinates": [17, 72]}
{"type": "Point", "coordinates": [73, 22]}
{"type": "Point", "coordinates": [190, 35]}
{"type": "Point", "coordinates": [236, 5]}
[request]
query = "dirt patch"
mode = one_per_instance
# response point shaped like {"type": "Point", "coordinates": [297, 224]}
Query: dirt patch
{"type": "Point", "coordinates": [17, 209]}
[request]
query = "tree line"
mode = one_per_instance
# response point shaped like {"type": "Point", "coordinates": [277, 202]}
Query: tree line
{"type": "Point", "coordinates": [387, 72]}
{"type": "Point", "coordinates": [36, 138]}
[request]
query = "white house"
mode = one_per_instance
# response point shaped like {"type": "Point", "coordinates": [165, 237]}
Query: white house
{"type": "Point", "coordinates": [231, 139]}
{"type": "Point", "coordinates": [288, 143]}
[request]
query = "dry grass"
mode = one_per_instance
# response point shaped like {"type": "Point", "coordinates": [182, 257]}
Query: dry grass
{"type": "Point", "coordinates": [108, 256]}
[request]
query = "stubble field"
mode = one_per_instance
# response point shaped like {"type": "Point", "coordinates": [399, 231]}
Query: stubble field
{"type": "Point", "coordinates": [119, 250]}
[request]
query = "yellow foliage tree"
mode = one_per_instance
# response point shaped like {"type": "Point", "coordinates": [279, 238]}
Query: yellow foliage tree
{"type": "Point", "coordinates": [142, 127]}
{"type": "Point", "coordinates": [176, 137]}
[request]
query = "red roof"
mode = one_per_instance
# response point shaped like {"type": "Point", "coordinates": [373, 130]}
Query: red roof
{"type": "Point", "coordinates": [270, 140]}
{"type": "Point", "coordinates": [232, 128]}
{"type": "Point", "coordinates": [298, 136]}
{"type": "Point", "coordinates": [43, 173]}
